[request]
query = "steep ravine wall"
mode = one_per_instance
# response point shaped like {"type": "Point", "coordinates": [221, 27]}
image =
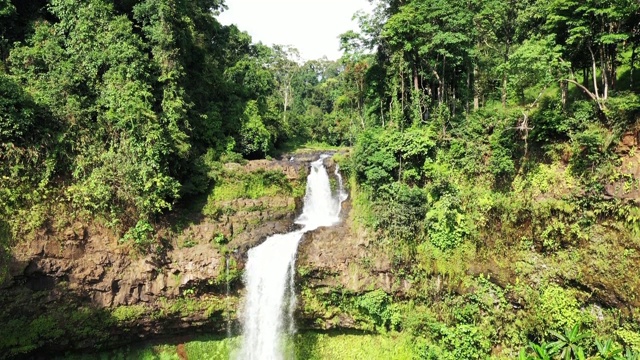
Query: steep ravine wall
{"type": "Point", "coordinates": [80, 289]}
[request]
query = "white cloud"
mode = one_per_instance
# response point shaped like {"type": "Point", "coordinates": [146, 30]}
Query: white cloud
{"type": "Point", "coordinates": [311, 26]}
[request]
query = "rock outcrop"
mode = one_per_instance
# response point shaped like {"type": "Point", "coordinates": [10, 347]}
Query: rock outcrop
{"type": "Point", "coordinates": [340, 257]}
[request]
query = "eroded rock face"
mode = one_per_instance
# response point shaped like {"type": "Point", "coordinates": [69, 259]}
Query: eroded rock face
{"type": "Point", "coordinates": [85, 289]}
{"type": "Point", "coordinates": [86, 266]}
{"type": "Point", "coordinates": [91, 262]}
{"type": "Point", "coordinates": [94, 265]}
{"type": "Point", "coordinates": [340, 257]}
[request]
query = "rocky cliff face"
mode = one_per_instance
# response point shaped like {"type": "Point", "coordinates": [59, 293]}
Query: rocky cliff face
{"type": "Point", "coordinates": [340, 257]}
{"type": "Point", "coordinates": [83, 284]}
{"type": "Point", "coordinates": [92, 262]}
{"type": "Point", "coordinates": [82, 288]}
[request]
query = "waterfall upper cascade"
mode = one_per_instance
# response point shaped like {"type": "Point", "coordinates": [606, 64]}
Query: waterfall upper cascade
{"type": "Point", "coordinates": [270, 271]}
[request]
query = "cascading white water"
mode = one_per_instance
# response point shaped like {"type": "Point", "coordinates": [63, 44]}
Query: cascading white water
{"type": "Point", "coordinates": [270, 272]}
{"type": "Point", "coordinates": [342, 193]}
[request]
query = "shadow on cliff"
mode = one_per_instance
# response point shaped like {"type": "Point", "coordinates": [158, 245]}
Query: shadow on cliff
{"type": "Point", "coordinates": [189, 211]}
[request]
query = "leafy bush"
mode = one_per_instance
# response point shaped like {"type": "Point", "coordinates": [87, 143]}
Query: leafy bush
{"type": "Point", "coordinates": [140, 235]}
{"type": "Point", "coordinates": [374, 162]}
{"type": "Point", "coordinates": [560, 308]}
{"type": "Point", "coordinates": [377, 306]}
{"type": "Point", "coordinates": [466, 342]}
{"type": "Point", "coordinates": [251, 185]}
{"type": "Point", "coordinates": [5, 250]}
{"type": "Point", "coordinates": [551, 123]}
{"type": "Point", "coordinates": [630, 338]}
{"type": "Point", "coordinates": [254, 136]}
{"type": "Point", "coordinates": [446, 223]}
{"type": "Point", "coordinates": [588, 149]}
{"type": "Point", "coordinates": [623, 109]}
{"type": "Point", "coordinates": [205, 170]}
{"type": "Point", "coordinates": [400, 210]}
{"type": "Point", "coordinates": [18, 111]}
{"type": "Point", "coordinates": [128, 313]}
{"type": "Point", "coordinates": [503, 151]}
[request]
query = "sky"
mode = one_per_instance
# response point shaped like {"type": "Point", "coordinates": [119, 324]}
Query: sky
{"type": "Point", "coordinates": [311, 26]}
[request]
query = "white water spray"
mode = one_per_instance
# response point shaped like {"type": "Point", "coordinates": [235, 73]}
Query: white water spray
{"type": "Point", "coordinates": [270, 272]}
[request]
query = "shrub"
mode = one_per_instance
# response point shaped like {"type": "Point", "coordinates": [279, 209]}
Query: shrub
{"type": "Point", "coordinates": [127, 313]}
{"type": "Point", "coordinates": [377, 306]}
{"type": "Point", "coordinates": [139, 235]}
{"type": "Point", "coordinates": [400, 210]}
{"type": "Point", "coordinates": [255, 139]}
{"type": "Point", "coordinates": [466, 342]}
{"type": "Point", "coordinates": [588, 149]}
{"type": "Point", "coordinates": [373, 162]}
{"type": "Point", "coordinates": [17, 109]}
{"type": "Point", "coordinates": [560, 308]}
{"type": "Point", "coordinates": [446, 223]}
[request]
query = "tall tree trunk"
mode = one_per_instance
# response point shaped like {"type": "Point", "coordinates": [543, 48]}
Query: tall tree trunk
{"type": "Point", "coordinates": [632, 64]}
{"type": "Point", "coordinates": [593, 96]}
{"type": "Point", "coordinates": [453, 92]}
{"type": "Point", "coordinates": [438, 91]}
{"type": "Point", "coordinates": [361, 100]}
{"type": "Point", "coordinates": [416, 93]}
{"type": "Point", "coordinates": [605, 72]}
{"type": "Point", "coordinates": [467, 106]}
{"type": "Point", "coordinates": [564, 88]}
{"type": "Point", "coordinates": [444, 77]}
{"type": "Point", "coordinates": [504, 77]}
{"type": "Point", "coordinates": [401, 91]}
{"type": "Point", "coordinates": [613, 68]}
{"type": "Point", "coordinates": [476, 88]}
{"type": "Point", "coordinates": [285, 105]}
{"type": "Point", "coordinates": [595, 76]}
{"type": "Point", "coordinates": [504, 91]}
{"type": "Point", "coordinates": [453, 102]}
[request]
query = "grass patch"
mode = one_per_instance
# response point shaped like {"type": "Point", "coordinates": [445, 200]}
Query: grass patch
{"type": "Point", "coordinates": [155, 352]}
{"type": "Point", "coordinates": [341, 346]}
{"type": "Point", "coordinates": [213, 348]}
{"type": "Point", "coordinates": [126, 313]}
{"type": "Point", "coordinates": [252, 185]}
{"type": "Point", "coordinates": [308, 346]}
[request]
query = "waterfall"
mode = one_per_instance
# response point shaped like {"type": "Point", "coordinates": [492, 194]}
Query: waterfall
{"type": "Point", "coordinates": [342, 193]}
{"type": "Point", "coordinates": [270, 272]}
{"type": "Point", "coordinates": [226, 299]}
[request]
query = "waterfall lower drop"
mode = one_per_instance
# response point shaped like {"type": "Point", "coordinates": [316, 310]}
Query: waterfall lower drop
{"type": "Point", "coordinates": [226, 298]}
{"type": "Point", "coordinates": [270, 271]}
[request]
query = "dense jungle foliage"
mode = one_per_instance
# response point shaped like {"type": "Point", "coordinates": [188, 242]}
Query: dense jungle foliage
{"type": "Point", "coordinates": [496, 162]}
{"type": "Point", "coordinates": [494, 149]}
{"type": "Point", "coordinates": [119, 109]}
